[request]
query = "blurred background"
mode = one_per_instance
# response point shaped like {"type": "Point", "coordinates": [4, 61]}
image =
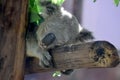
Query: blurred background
{"type": "Point", "coordinates": [103, 19]}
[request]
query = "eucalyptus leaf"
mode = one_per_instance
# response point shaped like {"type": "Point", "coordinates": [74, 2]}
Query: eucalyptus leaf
{"type": "Point", "coordinates": [116, 2]}
{"type": "Point", "coordinates": [31, 2]}
{"type": "Point", "coordinates": [35, 9]}
{"type": "Point", "coordinates": [94, 0]}
{"type": "Point", "coordinates": [58, 2]}
{"type": "Point", "coordinates": [34, 17]}
{"type": "Point", "coordinates": [56, 74]}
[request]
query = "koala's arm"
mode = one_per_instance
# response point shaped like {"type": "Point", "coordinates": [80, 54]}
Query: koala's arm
{"type": "Point", "coordinates": [33, 49]}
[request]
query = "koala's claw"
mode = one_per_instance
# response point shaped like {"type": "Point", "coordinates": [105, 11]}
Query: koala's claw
{"type": "Point", "coordinates": [46, 60]}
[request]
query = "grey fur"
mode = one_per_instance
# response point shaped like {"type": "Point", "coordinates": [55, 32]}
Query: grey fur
{"type": "Point", "coordinates": [63, 25]}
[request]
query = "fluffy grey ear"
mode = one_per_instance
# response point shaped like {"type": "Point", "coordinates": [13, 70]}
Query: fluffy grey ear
{"type": "Point", "coordinates": [85, 35]}
{"type": "Point", "coordinates": [50, 7]}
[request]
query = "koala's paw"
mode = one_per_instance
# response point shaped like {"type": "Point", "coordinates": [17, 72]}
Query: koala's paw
{"type": "Point", "coordinates": [46, 60]}
{"type": "Point", "coordinates": [67, 72]}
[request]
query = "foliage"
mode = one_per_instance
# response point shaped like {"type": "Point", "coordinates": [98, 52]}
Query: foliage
{"type": "Point", "coordinates": [94, 0]}
{"type": "Point", "coordinates": [57, 74]}
{"type": "Point", "coordinates": [116, 2]}
{"type": "Point", "coordinates": [58, 2]}
{"type": "Point", "coordinates": [35, 9]}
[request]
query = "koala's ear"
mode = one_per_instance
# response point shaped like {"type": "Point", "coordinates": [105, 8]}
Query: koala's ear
{"type": "Point", "coordinates": [52, 8]}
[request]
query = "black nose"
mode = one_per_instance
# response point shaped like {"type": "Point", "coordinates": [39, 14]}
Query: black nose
{"type": "Point", "coordinates": [48, 39]}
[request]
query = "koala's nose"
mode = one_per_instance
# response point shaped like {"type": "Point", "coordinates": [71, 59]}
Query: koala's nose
{"type": "Point", "coordinates": [48, 39]}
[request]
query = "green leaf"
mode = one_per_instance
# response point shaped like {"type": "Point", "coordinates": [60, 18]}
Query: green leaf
{"type": "Point", "coordinates": [31, 3]}
{"type": "Point", "coordinates": [34, 17]}
{"type": "Point", "coordinates": [35, 9]}
{"type": "Point", "coordinates": [116, 2]}
{"type": "Point", "coordinates": [58, 2]}
{"type": "Point", "coordinates": [56, 74]}
{"type": "Point", "coordinates": [39, 9]}
{"type": "Point", "coordinates": [94, 0]}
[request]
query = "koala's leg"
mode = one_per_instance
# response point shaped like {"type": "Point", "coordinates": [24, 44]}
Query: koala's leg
{"type": "Point", "coordinates": [33, 50]}
{"type": "Point", "coordinates": [45, 57]}
{"type": "Point", "coordinates": [85, 35]}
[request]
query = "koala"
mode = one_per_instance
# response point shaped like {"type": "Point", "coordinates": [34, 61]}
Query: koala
{"type": "Point", "coordinates": [58, 29]}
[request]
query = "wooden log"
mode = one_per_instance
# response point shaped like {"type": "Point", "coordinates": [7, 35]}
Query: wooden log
{"type": "Point", "coordinates": [98, 54]}
{"type": "Point", "coordinates": [12, 39]}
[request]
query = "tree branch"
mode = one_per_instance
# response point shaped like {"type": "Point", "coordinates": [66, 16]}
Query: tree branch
{"type": "Point", "coordinates": [98, 54]}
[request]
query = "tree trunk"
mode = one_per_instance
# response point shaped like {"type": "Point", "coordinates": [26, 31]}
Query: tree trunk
{"type": "Point", "coordinates": [12, 39]}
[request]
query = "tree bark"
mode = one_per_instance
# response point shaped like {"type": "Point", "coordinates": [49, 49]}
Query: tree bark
{"type": "Point", "coordinates": [98, 54]}
{"type": "Point", "coordinates": [12, 39]}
